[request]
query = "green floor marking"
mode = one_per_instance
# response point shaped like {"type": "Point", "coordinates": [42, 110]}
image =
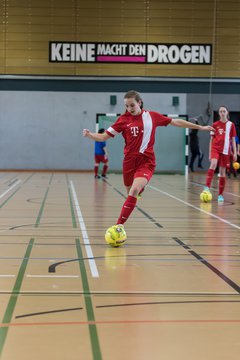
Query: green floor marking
{"type": "Point", "coordinates": [43, 203]}
{"type": "Point", "coordinates": [13, 298]}
{"type": "Point", "coordinates": [88, 302]}
{"type": "Point", "coordinates": [74, 223]}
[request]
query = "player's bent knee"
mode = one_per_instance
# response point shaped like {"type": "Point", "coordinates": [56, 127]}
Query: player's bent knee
{"type": "Point", "coordinates": [134, 191]}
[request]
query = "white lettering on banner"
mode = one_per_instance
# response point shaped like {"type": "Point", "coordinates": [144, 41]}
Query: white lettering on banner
{"type": "Point", "coordinates": [137, 50]}
{"type": "Point", "coordinates": [55, 52]}
{"type": "Point", "coordinates": [72, 52]}
{"type": "Point", "coordinates": [185, 54]}
{"type": "Point", "coordinates": [85, 52]}
{"type": "Point", "coordinates": [195, 55]}
{"type": "Point", "coordinates": [152, 54]}
{"type": "Point", "coordinates": [112, 49]}
{"type": "Point", "coordinates": [72, 55]}
{"type": "Point", "coordinates": [66, 52]}
{"type": "Point", "coordinates": [173, 54]}
{"type": "Point", "coordinates": [205, 55]}
{"type": "Point", "coordinates": [130, 53]}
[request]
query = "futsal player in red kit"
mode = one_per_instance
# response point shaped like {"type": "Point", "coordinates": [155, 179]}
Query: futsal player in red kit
{"type": "Point", "coordinates": [138, 127]}
{"type": "Point", "coordinates": [220, 148]}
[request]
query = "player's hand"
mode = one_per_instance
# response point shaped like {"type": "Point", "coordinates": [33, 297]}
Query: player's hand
{"type": "Point", "coordinates": [207, 128]}
{"type": "Point", "coordinates": [86, 132]}
{"type": "Point", "coordinates": [234, 157]}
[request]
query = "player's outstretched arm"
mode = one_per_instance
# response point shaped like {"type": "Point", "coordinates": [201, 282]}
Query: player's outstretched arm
{"type": "Point", "coordinates": [95, 136]}
{"type": "Point", "coordinates": [186, 124]}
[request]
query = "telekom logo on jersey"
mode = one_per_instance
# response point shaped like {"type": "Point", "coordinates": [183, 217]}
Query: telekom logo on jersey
{"type": "Point", "coordinates": [134, 130]}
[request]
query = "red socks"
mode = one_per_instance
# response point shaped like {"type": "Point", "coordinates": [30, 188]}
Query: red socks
{"type": "Point", "coordinates": [127, 209]}
{"type": "Point", "coordinates": [221, 185]}
{"type": "Point", "coordinates": [105, 167]}
{"type": "Point", "coordinates": [209, 177]}
{"type": "Point", "coordinates": [104, 171]}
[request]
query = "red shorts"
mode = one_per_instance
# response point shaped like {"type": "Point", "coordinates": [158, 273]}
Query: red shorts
{"type": "Point", "coordinates": [223, 160]}
{"type": "Point", "coordinates": [139, 166]}
{"type": "Point", "coordinates": [100, 158]}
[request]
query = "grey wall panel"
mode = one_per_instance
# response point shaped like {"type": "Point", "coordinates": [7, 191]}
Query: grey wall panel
{"type": "Point", "coordinates": [43, 130]}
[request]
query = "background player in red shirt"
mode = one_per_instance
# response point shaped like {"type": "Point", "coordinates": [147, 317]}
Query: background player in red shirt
{"type": "Point", "coordinates": [219, 150]}
{"type": "Point", "coordinates": [138, 128]}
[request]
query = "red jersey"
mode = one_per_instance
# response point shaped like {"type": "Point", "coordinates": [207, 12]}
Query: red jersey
{"type": "Point", "coordinates": [138, 131]}
{"type": "Point", "coordinates": [221, 138]}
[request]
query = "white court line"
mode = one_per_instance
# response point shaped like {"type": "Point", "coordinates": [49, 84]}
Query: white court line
{"type": "Point", "coordinates": [7, 276]}
{"type": "Point", "coordinates": [52, 276]}
{"type": "Point", "coordinates": [9, 189]}
{"type": "Point", "coordinates": [91, 261]}
{"type": "Point", "coordinates": [195, 207]}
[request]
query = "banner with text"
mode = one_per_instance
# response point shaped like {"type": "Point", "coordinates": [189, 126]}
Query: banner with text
{"type": "Point", "coordinates": [137, 53]}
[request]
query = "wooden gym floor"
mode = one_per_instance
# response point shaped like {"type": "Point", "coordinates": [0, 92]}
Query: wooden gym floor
{"type": "Point", "coordinates": [171, 292]}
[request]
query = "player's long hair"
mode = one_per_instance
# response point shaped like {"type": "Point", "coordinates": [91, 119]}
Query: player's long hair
{"type": "Point", "coordinates": [132, 94]}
